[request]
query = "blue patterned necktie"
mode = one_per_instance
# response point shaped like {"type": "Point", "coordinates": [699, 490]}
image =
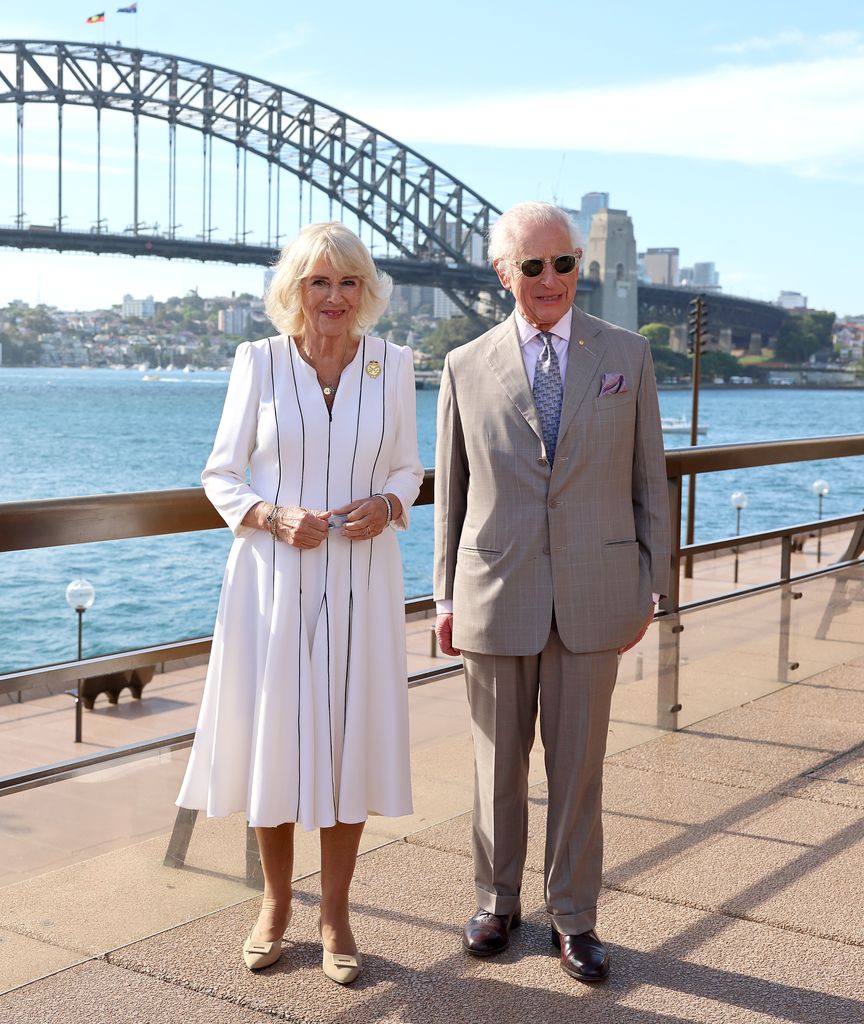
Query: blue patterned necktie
{"type": "Point", "coordinates": [547, 393]}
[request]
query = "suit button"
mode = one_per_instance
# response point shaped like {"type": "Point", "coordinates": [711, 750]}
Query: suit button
{"type": "Point", "coordinates": [542, 462]}
{"type": "Point", "coordinates": [554, 503]}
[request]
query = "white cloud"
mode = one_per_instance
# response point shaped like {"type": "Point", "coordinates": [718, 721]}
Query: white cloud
{"type": "Point", "coordinates": [805, 116]}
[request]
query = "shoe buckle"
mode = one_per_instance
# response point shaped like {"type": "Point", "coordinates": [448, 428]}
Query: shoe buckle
{"type": "Point", "coordinates": [259, 947]}
{"type": "Point", "coordinates": [343, 960]}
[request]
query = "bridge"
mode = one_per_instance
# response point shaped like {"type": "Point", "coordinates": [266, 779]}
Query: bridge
{"type": "Point", "coordinates": [405, 206]}
{"type": "Point", "coordinates": [745, 318]}
{"type": "Point", "coordinates": [309, 161]}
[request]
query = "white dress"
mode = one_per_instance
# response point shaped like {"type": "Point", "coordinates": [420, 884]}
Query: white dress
{"type": "Point", "coordinates": [305, 710]}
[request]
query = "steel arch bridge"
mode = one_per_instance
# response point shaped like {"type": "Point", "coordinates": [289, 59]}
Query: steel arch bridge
{"type": "Point", "coordinates": [422, 214]}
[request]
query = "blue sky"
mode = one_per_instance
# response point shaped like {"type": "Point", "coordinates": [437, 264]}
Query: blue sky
{"type": "Point", "coordinates": [735, 133]}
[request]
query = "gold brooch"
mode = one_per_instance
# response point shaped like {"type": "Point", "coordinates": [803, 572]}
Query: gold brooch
{"type": "Point", "coordinates": [373, 368]}
{"type": "Point", "coordinates": [581, 341]}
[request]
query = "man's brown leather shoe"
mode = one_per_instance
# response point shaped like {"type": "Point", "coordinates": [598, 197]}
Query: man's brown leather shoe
{"type": "Point", "coordinates": [487, 933]}
{"type": "Point", "coordinates": [583, 957]}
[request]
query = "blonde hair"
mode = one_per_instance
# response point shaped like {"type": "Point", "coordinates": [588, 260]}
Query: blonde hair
{"type": "Point", "coordinates": [523, 215]}
{"type": "Point", "coordinates": [346, 253]}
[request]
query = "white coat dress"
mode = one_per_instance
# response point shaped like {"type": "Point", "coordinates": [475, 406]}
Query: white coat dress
{"type": "Point", "coordinates": [304, 716]}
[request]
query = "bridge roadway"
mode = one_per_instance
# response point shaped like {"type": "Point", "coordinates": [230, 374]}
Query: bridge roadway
{"type": "Point", "coordinates": [437, 273]}
{"type": "Point", "coordinates": [656, 303]}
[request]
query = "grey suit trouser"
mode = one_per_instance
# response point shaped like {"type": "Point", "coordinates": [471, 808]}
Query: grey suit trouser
{"type": "Point", "coordinates": [574, 693]}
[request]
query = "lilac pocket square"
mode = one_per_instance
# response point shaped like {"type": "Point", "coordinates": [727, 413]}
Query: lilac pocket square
{"type": "Point", "coordinates": [612, 384]}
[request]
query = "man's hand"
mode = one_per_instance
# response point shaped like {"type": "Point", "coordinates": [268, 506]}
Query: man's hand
{"type": "Point", "coordinates": [642, 632]}
{"type": "Point", "coordinates": [444, 632]}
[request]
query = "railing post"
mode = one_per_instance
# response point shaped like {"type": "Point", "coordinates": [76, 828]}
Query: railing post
{"type": "Point", "coordinates": [254, 872]}
{"type": "Point", "coordinates": [181, 836]}
{"type": "Point", "coordinates": [786, 597]}
{"type": "Point", "coordinates": [669, 638]}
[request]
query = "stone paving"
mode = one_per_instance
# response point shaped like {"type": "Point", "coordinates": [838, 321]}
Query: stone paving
{"type": "Point", "coordinates": [733, 883]}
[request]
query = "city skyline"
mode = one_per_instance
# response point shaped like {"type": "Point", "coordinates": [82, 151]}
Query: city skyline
{"type": "Point", "coordinates": [741, 146]}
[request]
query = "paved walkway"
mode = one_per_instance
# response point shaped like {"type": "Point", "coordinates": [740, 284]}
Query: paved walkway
{"type": "Point", "coordinates": [734, 871]}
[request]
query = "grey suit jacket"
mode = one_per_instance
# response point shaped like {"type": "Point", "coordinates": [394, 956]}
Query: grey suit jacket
{"type": "Point", "coordinates": [512, 537]}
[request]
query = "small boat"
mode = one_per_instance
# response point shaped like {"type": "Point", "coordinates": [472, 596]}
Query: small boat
{"type": "Point", "coordinates": [151, 376]}
{"type": "Point", "coordinates": [680, 425]}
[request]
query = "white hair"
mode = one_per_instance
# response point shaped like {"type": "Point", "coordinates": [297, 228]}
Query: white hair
{"type": "Point", "coordinates": [526, 215]}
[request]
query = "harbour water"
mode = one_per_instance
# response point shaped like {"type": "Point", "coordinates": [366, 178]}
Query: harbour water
{"type": "Point", "coordinates": [78, 432]}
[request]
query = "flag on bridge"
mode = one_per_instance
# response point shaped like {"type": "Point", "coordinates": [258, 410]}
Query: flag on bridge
{"type": "Point", "coordinates": [131, 9]}
{"type": "Point", "coordinates": [94, 19]}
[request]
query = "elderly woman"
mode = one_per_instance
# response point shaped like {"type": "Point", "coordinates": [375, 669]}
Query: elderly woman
{"type": "Point", "coordinates": [304, 716]}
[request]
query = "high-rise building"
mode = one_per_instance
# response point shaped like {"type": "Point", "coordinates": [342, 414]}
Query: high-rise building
{"type": "Point", "coordinates": [592, 202]}
{"type": "Point", "coordinates": [792, 300]}
{"type": "Point", "coordinates": [661, 265]}
{"type": "Point", "coordinates": [443, 307]}
{"type": "Point", "coordinates": [143, 308]}
{"type": "Point", "coordinates": [705, 276]}
{"type": "Point", "coordinates": [233, 320]}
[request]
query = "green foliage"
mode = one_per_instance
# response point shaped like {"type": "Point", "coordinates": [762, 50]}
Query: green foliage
{"type": "Point", "coordinates": [669, 365]}
{"type": "Point", "coordinates": [657, 334]}
{"type": "Point", "coordinates": [719, 364]}
{"type": "Point", "coordinates": [801, 336]}
{"type": "Point", "coordinates": [449, 334]}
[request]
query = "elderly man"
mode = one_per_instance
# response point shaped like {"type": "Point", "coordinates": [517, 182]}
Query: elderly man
{"type": "Point", "coordinates": [551, 537]}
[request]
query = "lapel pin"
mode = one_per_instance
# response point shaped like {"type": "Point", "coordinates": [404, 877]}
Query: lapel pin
{"type": "Point", "coordinates": [581, 341]}
{"type": "Point", "coordinates": [373, 369]}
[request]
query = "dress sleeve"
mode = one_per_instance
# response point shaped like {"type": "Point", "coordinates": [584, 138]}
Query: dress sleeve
{"type": "Point", "coordinates": [224, 476]}
{"type": "Point", "coordinates": [406, 470]}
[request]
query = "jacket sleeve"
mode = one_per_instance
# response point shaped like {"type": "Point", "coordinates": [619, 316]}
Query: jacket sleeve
{"type": "Point", "coordinates": [451, 486]}
{"type": "Point", "coordinates": [650, 491]}
{"type": "Point", "coordinates": [224, 476]}
{"type": "Point", "coordinates": [406, 470]}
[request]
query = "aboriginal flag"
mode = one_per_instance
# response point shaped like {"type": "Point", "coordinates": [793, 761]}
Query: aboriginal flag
{"type": "Point", "coordinates": [94, 19]}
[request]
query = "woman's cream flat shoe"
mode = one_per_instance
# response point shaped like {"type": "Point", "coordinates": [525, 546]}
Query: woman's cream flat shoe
{"type": "Point", "coordinates": [340, 967]}
{"type": "Point", "coordinates": [258, 954]}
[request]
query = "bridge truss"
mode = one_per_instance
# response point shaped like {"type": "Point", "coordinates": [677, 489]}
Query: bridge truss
{"type": "Point", "coordinates": [412, 206]}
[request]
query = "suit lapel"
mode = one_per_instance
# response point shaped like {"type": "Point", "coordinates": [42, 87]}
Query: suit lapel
{"type": "Point", "coordinates": [506, 363]}
{"type": "Point", "coordinates": [583, 358]}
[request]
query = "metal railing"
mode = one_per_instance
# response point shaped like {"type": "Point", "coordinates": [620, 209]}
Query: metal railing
{"type": "Point", "coordinates": [65, 521]}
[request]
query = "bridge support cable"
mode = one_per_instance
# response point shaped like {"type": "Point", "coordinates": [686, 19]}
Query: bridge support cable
{"type": "Point", "coordinates": [172, 179]}
{"type": "Point", "coordinates": [135, 131]}
{"type": "Point", "coordinates": [19, 213]}
{"type": "Point", "coordinates": [59, 166]}
{"type": "Point", "coordinates": [98, 170]}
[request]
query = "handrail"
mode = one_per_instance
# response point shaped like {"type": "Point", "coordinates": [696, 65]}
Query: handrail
{"type": "Point", "coordinates": [28, 525]}
{"type": "Point", "coordinates": [57, 522]}
{"type": "Point", "coordinates": [51, 522]}
{"type": "Point", "coordinates": [713, 458]}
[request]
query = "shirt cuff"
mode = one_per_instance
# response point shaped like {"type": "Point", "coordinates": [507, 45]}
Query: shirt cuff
{"type": "Point", "coordinates": [444, 607]}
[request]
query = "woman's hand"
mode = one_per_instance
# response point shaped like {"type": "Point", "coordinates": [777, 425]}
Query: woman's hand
{"type": "Point", "coordinates": [367, 517]}
{"type": "Point", "coordinates": [293, 525]}
{"type": "Point", "coordinates": [300, 527]}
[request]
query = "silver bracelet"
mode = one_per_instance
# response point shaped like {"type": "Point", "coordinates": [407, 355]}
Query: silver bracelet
{"type": "Point", "coordinates": [272, 521]}
{"type": "Point", "coordinates": [389, 505]}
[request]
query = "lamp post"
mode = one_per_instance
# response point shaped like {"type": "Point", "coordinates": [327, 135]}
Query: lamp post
{"type": "Point", "coordinates": [820, 489]}
{"type": "Point", "coordinates": [80, 595]}
{"type": "Point", "coordinates": [739, 503]}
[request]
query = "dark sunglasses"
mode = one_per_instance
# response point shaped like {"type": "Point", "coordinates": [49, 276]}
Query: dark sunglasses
{"type": "Point", "coordinates": [566, 263]}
